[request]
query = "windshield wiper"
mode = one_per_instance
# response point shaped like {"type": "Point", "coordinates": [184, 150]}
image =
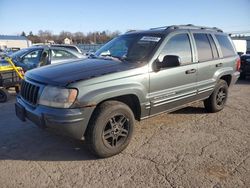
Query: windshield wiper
{"type": "Point", "coordinates": [115, 57]}
{"type": "Point", "coordinates": [122, 59]}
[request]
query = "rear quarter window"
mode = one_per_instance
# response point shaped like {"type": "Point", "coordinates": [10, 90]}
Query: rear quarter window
{"type": "Point", "coordinates": [225, 45]}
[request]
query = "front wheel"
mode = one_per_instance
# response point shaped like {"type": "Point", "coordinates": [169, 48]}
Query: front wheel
{"type": "Point", "coordinates": [218, 98]}
{"type": "Point", "coordinates": [110, 129]}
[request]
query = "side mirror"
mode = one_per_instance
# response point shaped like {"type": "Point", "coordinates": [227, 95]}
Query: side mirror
{"type": "Point", "coordinates": [168, 61]}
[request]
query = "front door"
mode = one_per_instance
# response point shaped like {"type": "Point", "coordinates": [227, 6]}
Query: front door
{"type": "Point", "coordinates": [173, 87]}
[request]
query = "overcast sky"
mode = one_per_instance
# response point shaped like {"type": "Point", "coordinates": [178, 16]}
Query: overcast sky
{"type": "Point", "coordinates": [96, 15]}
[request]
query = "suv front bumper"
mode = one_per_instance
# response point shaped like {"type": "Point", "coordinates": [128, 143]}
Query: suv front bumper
{"type": "Point", "coordinates": [70, 122]}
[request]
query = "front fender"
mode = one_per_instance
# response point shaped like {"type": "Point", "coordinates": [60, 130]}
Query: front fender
{"type": "Point", "coordinates": [94, 97]}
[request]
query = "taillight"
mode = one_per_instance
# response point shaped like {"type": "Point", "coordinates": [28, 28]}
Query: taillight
{"type": "Point", "coordinates": [238, 64]}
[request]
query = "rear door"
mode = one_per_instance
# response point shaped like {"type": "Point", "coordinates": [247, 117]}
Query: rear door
{"type": "Point", "coordinates": [207, 56]}
{"type": "Point", "coordinates": [175, 86]}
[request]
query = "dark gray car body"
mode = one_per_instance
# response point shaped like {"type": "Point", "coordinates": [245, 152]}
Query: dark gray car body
{"type": "Point", "coordinates": [146, 91]}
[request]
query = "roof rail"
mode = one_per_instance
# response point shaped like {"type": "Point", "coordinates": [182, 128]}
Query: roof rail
{"type": "Point", "coordinates": [132, 30]}
{"type": "Point", "coordinates": [188, 26]}
{"type": "Point", "coordinates": [163, 27]}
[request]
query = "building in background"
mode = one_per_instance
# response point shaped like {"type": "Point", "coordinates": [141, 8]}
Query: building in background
{"type": "Point", "coordinates": [241, 41]}
{"type": "Point", "coordinates": [240, 45]}
{"type": "Point", "coordinates": [9, 41]}
{"type": "Point", "coordinates": [67, 41]}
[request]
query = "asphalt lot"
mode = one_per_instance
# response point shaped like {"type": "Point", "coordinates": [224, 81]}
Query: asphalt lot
{"type": "Point", "coordinates": [186, 148]}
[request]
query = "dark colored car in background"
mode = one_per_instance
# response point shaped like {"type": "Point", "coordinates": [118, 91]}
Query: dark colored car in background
{"type": "Point", "coordinates": [33, 57]}
{"type": "Point", "coordinates": [245, 66]}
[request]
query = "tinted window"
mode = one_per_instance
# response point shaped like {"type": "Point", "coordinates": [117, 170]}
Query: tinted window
{"type": "Point", "coordinates": [179, 45]}
{"type": "Point", "coordinates": [225, 45]}
{"type": "Point", "coordinates": [213, 46]}
{"type": "Point", "coordinates": [203, 47]}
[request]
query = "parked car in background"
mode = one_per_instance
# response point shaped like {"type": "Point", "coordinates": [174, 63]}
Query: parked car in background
{"type": "Point", "coordinates": [8, 51]}
{"type": "Point", "coordinates": [88, 49]}
{"type": "Point", "coordinates": [37, 56]}
{"type": "Point", "coordinates": [1, 53]}
{"type": "Point", "coordinates": [12, 50]}
{"type": "Point", "coordinates": [245, 66]}
{"type": "Point", "coordinates": [240, 53]}
{"type": "Point", "coordinates": [68, 46]}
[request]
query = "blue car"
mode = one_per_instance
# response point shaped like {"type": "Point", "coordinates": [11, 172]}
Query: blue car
{"type": "Point", "coordinates": [33, 57]}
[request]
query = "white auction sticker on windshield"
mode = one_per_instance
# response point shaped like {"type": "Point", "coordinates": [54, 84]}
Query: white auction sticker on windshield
{"type": "Point", "coordinates": [150, 39]}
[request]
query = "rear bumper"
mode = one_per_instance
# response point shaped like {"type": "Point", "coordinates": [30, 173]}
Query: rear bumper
{"type": "Point", "coordinates": [70, 122]}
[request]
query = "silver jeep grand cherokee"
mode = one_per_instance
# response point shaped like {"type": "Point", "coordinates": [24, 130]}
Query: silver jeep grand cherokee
{"type": "Point", "coordinates": [133, 77]}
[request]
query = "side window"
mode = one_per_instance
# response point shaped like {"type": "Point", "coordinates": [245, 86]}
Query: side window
{"type": "Point", "coordinates": [213, 46]}
{"type": "Point", "coordinates": [32, 57]}
{"type": "Point", "coordinates": [61, 54]}
{"type": "Point", "coordinates": [179, 45]}
{"type": "Point", "coordinates": [225, 45]}
{"type": "Point", "coordinates": [203, 47]}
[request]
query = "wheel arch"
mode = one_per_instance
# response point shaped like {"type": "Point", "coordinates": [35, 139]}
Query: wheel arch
{"type": "Point", "coordinates": [131, 100]}
{"type": "Point", "coordinates": [227, 78]}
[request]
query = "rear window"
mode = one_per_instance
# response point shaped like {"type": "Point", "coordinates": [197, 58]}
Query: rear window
{"type": "Point", "coordinates": [225, 45]}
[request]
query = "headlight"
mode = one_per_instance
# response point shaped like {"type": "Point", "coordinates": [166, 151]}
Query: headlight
{"type": "Point", "coordinates": [57, 97]}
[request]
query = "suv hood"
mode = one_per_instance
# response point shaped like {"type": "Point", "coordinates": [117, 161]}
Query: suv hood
{"type": "Point", "coordinates": [65, 73]}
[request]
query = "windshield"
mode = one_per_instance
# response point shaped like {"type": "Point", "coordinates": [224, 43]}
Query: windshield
{"type": "Point", "coordinates": [132, 47]}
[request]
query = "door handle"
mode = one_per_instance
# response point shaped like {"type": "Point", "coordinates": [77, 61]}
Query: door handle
{"type": "Point", "coordinates": [191, 71]}
{"type": "Point", "coordinates": [219, 65]}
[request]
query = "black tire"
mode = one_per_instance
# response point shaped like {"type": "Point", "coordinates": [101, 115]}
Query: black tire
{"type": "Point", "coordinates": [4, 95]}
{"type": "Point", "coordinates": [110, 129]}
{"type": "Point", "coordinates": [218, 98]}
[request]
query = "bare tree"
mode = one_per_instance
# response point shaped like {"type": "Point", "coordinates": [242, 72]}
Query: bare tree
{"type": "Point", "coordinates": [45, 35]}
{"type": "Point", "coordinates": [77, 38]}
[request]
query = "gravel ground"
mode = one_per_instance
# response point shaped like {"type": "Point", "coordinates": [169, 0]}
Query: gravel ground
{"type": "Point", "coordinates": [186, 148]}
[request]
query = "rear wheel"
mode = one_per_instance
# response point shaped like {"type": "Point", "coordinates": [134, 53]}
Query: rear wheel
{"type": "Point", "coordinates": [110, 129]}
{"type": "Point", "coordinates": [218, 98]}
{"type": "Point", "coordinates": [4, 95]}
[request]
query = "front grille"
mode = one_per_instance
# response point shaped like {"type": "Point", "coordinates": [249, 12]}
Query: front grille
{"type": "Point", "coordinates": [29, 92]}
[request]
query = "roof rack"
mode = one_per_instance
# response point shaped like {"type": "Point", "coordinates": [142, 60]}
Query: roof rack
{"type": "Point", "coordinates": [162, 27]}
{"type": "Point", "coordinates": [188, 26]}
{"type": "Point", "coordinates": [132, 30]}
